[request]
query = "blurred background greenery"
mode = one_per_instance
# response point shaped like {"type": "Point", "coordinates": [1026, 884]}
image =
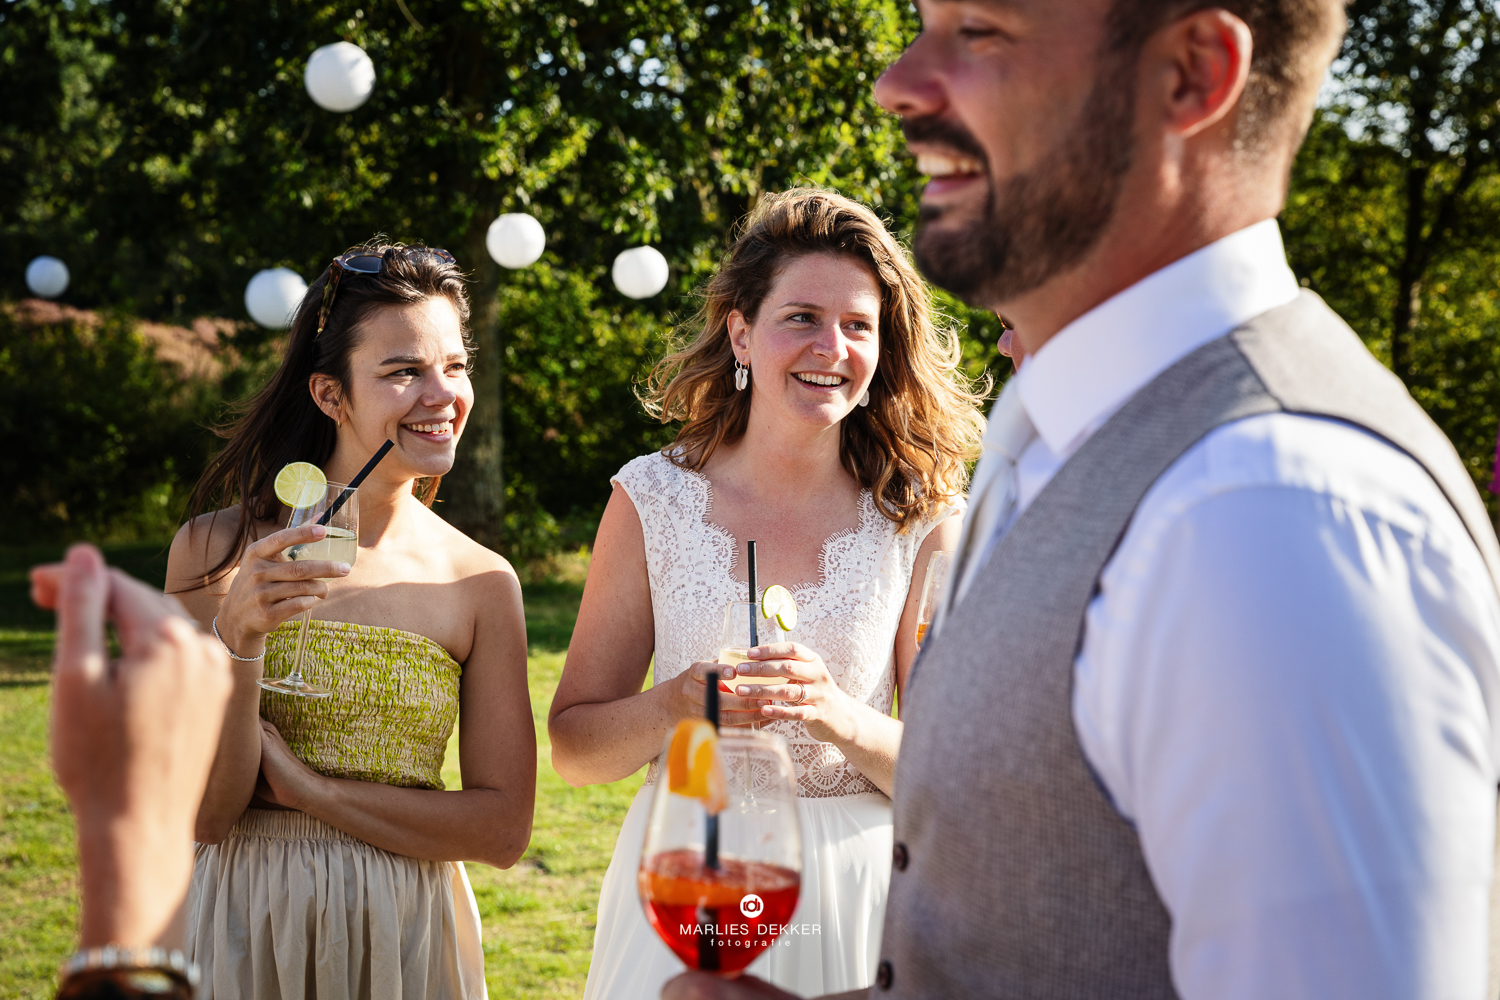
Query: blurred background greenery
{"type": "Point", "coordinates": [166, 150]}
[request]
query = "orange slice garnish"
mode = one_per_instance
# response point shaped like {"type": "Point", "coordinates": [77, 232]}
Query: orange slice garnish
{"type": "Point", "coordinates": [693, 766]}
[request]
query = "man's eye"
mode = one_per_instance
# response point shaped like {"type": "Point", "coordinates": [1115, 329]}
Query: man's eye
{"type": "Point", "coordinates": [975, 31]}
{"type": "Point", "coordinates": [405, 373]}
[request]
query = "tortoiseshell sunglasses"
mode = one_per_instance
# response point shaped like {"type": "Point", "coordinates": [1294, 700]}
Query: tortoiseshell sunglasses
{"type": "Point", "coordinates": [368, 262]}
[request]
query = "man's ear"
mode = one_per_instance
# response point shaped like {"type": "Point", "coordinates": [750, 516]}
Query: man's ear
{"type": "Point", "coordinates": [1204, 60]}
{"type": "Point", "coordinates": [326, 393]}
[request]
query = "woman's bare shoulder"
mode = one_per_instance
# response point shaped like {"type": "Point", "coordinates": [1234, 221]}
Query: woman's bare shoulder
{"type": "Point", "coordinates": [202, 544]}
{"type": "Point", "coordinates": [471, 563]}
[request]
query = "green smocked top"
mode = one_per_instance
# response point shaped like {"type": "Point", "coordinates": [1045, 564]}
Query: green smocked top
{"type": "Point", "coordinates": [394, 703]}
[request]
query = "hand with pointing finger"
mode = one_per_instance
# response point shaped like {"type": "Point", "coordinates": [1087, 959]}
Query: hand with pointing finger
{"type": "Point", "coordinates": [132, 741]}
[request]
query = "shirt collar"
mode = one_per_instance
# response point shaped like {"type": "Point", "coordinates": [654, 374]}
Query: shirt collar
{"type": "Point", "coordinates": [1094, 364]}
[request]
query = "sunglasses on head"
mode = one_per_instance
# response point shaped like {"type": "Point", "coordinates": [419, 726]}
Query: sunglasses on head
{"type": "Point", "coordinates": [370, 262]}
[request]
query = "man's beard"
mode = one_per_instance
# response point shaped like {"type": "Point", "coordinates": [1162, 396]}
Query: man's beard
{"type": "Point", "coordinates": [1043, 221]}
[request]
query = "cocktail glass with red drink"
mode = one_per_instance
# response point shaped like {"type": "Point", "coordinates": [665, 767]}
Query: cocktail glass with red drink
{"type": "Point", "coordinates": [718, 914]}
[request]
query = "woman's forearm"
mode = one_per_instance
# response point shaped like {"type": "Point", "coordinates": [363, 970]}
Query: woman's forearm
{"type": "Point", "coordinates": [594, 744]}
{"type": "Point", "coordinates": [872, 745]}
{"type": "Point", "coordinates": [231, 782]}
{"type": "Point", "coordinates": [489, 825]}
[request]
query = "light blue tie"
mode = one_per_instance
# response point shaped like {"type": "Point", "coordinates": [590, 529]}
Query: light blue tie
{"type": "Point", "coordinates": [994, 492]}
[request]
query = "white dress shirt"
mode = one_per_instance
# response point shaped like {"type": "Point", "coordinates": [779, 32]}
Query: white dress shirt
{"type": "Point", "coordinates": [1287, 679]}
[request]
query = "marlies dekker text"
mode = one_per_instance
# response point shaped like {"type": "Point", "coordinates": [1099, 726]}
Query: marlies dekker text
{"type": "Point", "coordinates": [747, 931]}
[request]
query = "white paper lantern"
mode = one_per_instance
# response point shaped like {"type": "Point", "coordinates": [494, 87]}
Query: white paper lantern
{"type": "Point", "coordinates": [339, 77]}
{"type": "Point", "coordinates": [515, 240]}
{"type": "Point", "coordinates": [272, 297]}
{"type": "Point", "coordinates": [640, 272]}
{"type": "Point", "coordinates": [47, 277]}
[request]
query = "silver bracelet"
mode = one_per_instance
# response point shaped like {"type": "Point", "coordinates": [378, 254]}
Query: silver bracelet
{"type": "Point", "coordinates": [232, 654]}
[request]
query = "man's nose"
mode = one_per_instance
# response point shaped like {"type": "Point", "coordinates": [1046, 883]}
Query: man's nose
{"type": "Point", "coordinates": [910, 87]}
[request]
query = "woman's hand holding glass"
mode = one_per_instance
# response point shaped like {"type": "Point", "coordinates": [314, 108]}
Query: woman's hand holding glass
{"type": "Point", "coordinates": [271, 589]}
{"type": "Point", "coordinates": [692, 688]}
{"type": "Point", "coordinates": [807, 692]}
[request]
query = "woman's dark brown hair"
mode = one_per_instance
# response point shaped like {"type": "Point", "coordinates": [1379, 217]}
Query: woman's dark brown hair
{"type": "Point", "coordinates": [911, 446]}
{"type": "Point", "coordinates": [282, 423]}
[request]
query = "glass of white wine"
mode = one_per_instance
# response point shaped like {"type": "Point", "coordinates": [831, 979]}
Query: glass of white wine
{"type": "Point", "coordinates": [340, 544]}
{"type": "Point", "coordinates": [735, 642]}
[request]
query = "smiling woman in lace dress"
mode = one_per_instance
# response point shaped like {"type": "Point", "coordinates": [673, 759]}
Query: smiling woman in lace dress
{"type": "Point", "coordinates": [330, 862]}
{"type": "Point", "coordinates": [823, 416]}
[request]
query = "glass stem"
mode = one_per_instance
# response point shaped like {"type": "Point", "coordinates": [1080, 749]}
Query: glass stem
{"type": "Point", "coordinates": [296, 674]}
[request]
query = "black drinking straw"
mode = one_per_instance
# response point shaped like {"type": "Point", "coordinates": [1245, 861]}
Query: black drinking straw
{"type": "Point", "coordinates": [348, 491]}
{"type": "Point", "coordinates": [711, 832]}
{"type": "Point", "coordinates": [750, 564]}
{"type": "Point", "coordinates": [708, 952]}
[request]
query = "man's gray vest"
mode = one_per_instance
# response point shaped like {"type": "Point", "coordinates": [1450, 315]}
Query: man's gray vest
{"type": "Point", "coordinates": [1013, 875]}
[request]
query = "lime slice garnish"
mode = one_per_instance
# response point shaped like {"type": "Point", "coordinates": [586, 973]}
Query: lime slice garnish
{"type": "Point", "coordinates": [777, 603]}
{"type": "Point", "coordinates": [301, 484]}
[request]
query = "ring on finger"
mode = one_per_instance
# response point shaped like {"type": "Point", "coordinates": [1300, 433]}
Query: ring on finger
{"type": "Point", "coordinates": [801, 694]}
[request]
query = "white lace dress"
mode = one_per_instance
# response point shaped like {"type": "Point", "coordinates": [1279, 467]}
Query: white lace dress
{"type": "Point", "coordinates": [850, 618]}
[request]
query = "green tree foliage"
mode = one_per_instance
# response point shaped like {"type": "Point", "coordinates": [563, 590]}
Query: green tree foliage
{"type": "Point", "coordinates": [167, 150]}
{"type": "Point", "coordinates": [1394, 215]}
{"type": "Point", "coordinates": [615, 122]}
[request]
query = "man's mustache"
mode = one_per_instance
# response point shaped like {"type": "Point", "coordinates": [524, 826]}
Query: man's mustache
{"type": "Point", "coordinates": [935, 130]}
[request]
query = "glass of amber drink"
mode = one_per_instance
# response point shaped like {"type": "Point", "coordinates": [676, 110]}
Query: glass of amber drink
{"type": "Point", "coordinates": [735, 642]}
{"type": "Point", "coordinates": [339, 544]}
{"type": "Point", "coordinates": [932, 591]}
{"type": "Point", "coordinates": [719, 913]}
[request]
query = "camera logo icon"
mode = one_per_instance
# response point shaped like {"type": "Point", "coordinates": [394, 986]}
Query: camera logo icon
{"type": "Point", "coordinates": [751, 905]}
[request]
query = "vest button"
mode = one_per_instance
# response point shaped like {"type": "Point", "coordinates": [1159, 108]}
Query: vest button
{"type": "Point", "coordinates": [899, 857]}
{"type": "Point", "coordinates": [884, 974]}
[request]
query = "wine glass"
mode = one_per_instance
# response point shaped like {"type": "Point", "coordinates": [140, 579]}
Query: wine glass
{"type": "Point", "coordinates": [720, 917]}
{"type": "Point", "coordinates": [932, 591]}
{"type": "Point", "coordinates": [735, 644]}
{"type": "Point", "coordinates": [340, 544]}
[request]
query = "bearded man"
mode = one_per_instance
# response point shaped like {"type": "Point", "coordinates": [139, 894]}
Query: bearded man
{"type": "Point", "coordinates": [1211, 712]}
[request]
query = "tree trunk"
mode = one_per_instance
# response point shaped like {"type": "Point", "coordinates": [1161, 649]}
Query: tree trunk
{"type": "Point", "coordinates": [1408, 309]}
{"type": "Point", "coordinates": [1409, 274]}
{"type": "Point", "coordinates": [474, 492]}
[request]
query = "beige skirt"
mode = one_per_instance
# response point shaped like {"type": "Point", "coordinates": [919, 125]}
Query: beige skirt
{"type": "Point", "coordinates": [289, 908]}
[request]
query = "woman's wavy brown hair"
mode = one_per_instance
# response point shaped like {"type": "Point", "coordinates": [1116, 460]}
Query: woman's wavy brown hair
{"type": "Point", "coordinates": [911, 446]}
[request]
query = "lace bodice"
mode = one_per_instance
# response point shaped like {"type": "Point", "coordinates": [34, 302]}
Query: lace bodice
{"type": "Point", "coordinates": [849, 617]}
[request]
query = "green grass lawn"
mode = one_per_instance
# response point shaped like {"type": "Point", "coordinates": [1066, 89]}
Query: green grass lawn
{"type": "Point", "coordinates": [538, 916]}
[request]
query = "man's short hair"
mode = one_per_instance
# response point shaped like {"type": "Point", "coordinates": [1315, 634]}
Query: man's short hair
{"type": "Point", "coordinates": [1293, 40]}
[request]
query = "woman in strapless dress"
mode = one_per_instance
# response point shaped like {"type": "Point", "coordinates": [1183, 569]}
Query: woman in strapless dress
{"type": "Point", "coordinates": [330, 857]}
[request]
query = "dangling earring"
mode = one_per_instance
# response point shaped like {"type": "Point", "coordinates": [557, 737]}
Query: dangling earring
{"type": "Point", "coordinates": [741, 375]}
{"type": "Point", "coordinates": [865, 399]}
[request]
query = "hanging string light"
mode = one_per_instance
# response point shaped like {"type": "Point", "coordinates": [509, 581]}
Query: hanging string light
{"type": "Point", "coordinates": [339, 77]}
{"type": "Point", "coordinates": [47, 277]}
{"type": "Point", "coordinates": [515, 240]}
{"type": "Point", "coordinates": [640, 272]}
{"type": "Point", "coordinates": [272, 297]}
